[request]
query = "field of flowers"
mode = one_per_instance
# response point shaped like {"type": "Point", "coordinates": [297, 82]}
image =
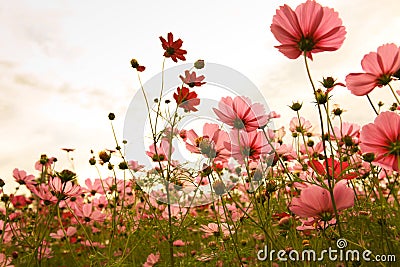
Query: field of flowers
{"type": "Point", "coordinates": [295, 195]}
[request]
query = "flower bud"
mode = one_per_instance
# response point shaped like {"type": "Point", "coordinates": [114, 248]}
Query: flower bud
{"type": "Point", "coordinates": [199, 64]}
{"type": "Point", "coordinates": [122, 165]}
{"type": "Point", "coordinates": [321, 97]}
{"type": "Point", "coordinates": [92, 161]}
{"type": "Point", "coordinates": [368, 157]}
{"type": "Point", "coordinates": [104, 156]}
{"type": "Point", "coordinates": [328, 82]}
{"type": "Point", "coordinates": [219, 188]}
{"type": "Point", "coordinates": [296, 106]}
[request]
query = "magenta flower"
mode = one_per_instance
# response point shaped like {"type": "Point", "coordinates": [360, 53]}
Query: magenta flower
{"type": "Point", "coordinates": [383, 139]}
{"type": "Point", "coordinates": [152, 260]}
{"type": "Point", "coordinates": [347, 134]}
{"type": "Point", "coordinates": [22, 178]}
{"type": "Point", "coordinates": [213, 229]}
{"type": "Point", "coordinates": [311, 28]}
{"type": "Point", "coordinates": [135, 166]}
{"type": "Point", "coordinates": [44, 193]}
{"type": "Point", "coordinates": [5, 261]}
{"type": "Point", "coordinates": [69, 231]}
{"type": "Point", "coordinates": [315, 201]}
{"type": "Point", "coordinates": [88, 215]}
{"type": "Point", "coordinates": [64, 190]}
{"type": "Point", "coordinates": [93, 187]}
{"type": "Point", "coordinates": [240, 113]}
{"type": "Point", "coordinates": [300, 126]}
{"type": "Point", "coordinates": [160, 152]}
{"type": "Point", "coordinates": [247, 145]}
{"type": "Point", "coordinates": [211, 144]}
{"type": "Point", "coordinates": [379, 69]}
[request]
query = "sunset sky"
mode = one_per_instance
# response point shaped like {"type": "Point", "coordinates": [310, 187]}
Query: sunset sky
{"type": "Point", "coordinates": [64, 65]}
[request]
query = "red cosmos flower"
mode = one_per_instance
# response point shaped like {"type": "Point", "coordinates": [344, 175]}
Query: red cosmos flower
{"type": "Point", "coordinates": [336, 169]}
{"type": "Point", "coordinates": [315, 201]}
{"type": "Point", "coordinates": [383, 139]}
{"type": "Point", "coordinates": [191, 80]}
{"type": "Point", "coordinates": [19, 201]}
{"type": "Point", "coordinates": [311, 28]}
{"type": "Point", "coordinates": [186, 99]}
{"type": "Point", "coordinates": [173, 48]}
{"type": "Point", "coordinates": [135, 64]}
{"type": "Point", "coordinates": [240, 113]}
{"type": "Point", "coordinates": [379, 66]}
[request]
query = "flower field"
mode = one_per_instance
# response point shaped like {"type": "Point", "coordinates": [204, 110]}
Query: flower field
{"type": "Point", "coordinates": [250, 193]}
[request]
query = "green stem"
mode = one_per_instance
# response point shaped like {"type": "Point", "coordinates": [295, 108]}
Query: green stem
{"type": "Point", "coordinates": [394, 94]}
{"type": "Point", "coordinates": [330, 182]}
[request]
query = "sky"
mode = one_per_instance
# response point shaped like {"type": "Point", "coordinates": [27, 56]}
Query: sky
{"type": "Point", "coordinates": [64, 65]}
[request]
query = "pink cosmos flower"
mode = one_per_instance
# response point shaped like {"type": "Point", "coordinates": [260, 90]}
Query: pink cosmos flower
{"type": "Point", "coordinates": [7, 232]}
{"type": "Point", "coordinates": [93, 187]}
{"type": "Point", "coordinates": [64, 190]}
{"type": "Point", "coordinates": [383, 139]}
{"type": "Point", "coordinates": [300, 126]}
{"type": "Point", "coordinates": [44, 162]}
{"type": "Point", "coordinates": [92, 244]}
{"type": "Point", "coordinates": [211, 144]}
{"type": "Point", "coordinates": [88, 215]}
{"type": "Point", "coordinates": [5, 261]}
{"type": "Point", "coordinates": [191, 79]}
{"type": "Point", "coordinates": [180, 243]}
{"type": "Point", "coordinates": [240, 113]}
{"type": "Point", "coordinates": [135, 166]}
{"type": "Point", "coordinates": [379, 68]}
{"type": "Point", "coordinates": [44, 251]}
{"type": "Point", "coordinates": [213, 229]}
{"type": "Point", "coordinates": [70, 231]}
{"type": "Point", "coordinates": [152, 259]}
{"type": "Point", "coordinates": [162, 151]}
{"type": "Point", "coordinates": [315, 201]}
{"type": "Point", "coordinates": [348, 134]}
{"type": "Point", "coordinates": [100, 202]}
{"type": "Point", "coordinates": [22, 178]}
{"type": "Point", "coordinates": [311, 28]}
{"type": "Point", "coordinates": [247, 145]}
{"type": "Point", "coordinates": [44, 193]}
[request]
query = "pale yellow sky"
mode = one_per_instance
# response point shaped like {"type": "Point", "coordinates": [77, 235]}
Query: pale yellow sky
{"type": "Point", "coordinates": [65, 64]}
